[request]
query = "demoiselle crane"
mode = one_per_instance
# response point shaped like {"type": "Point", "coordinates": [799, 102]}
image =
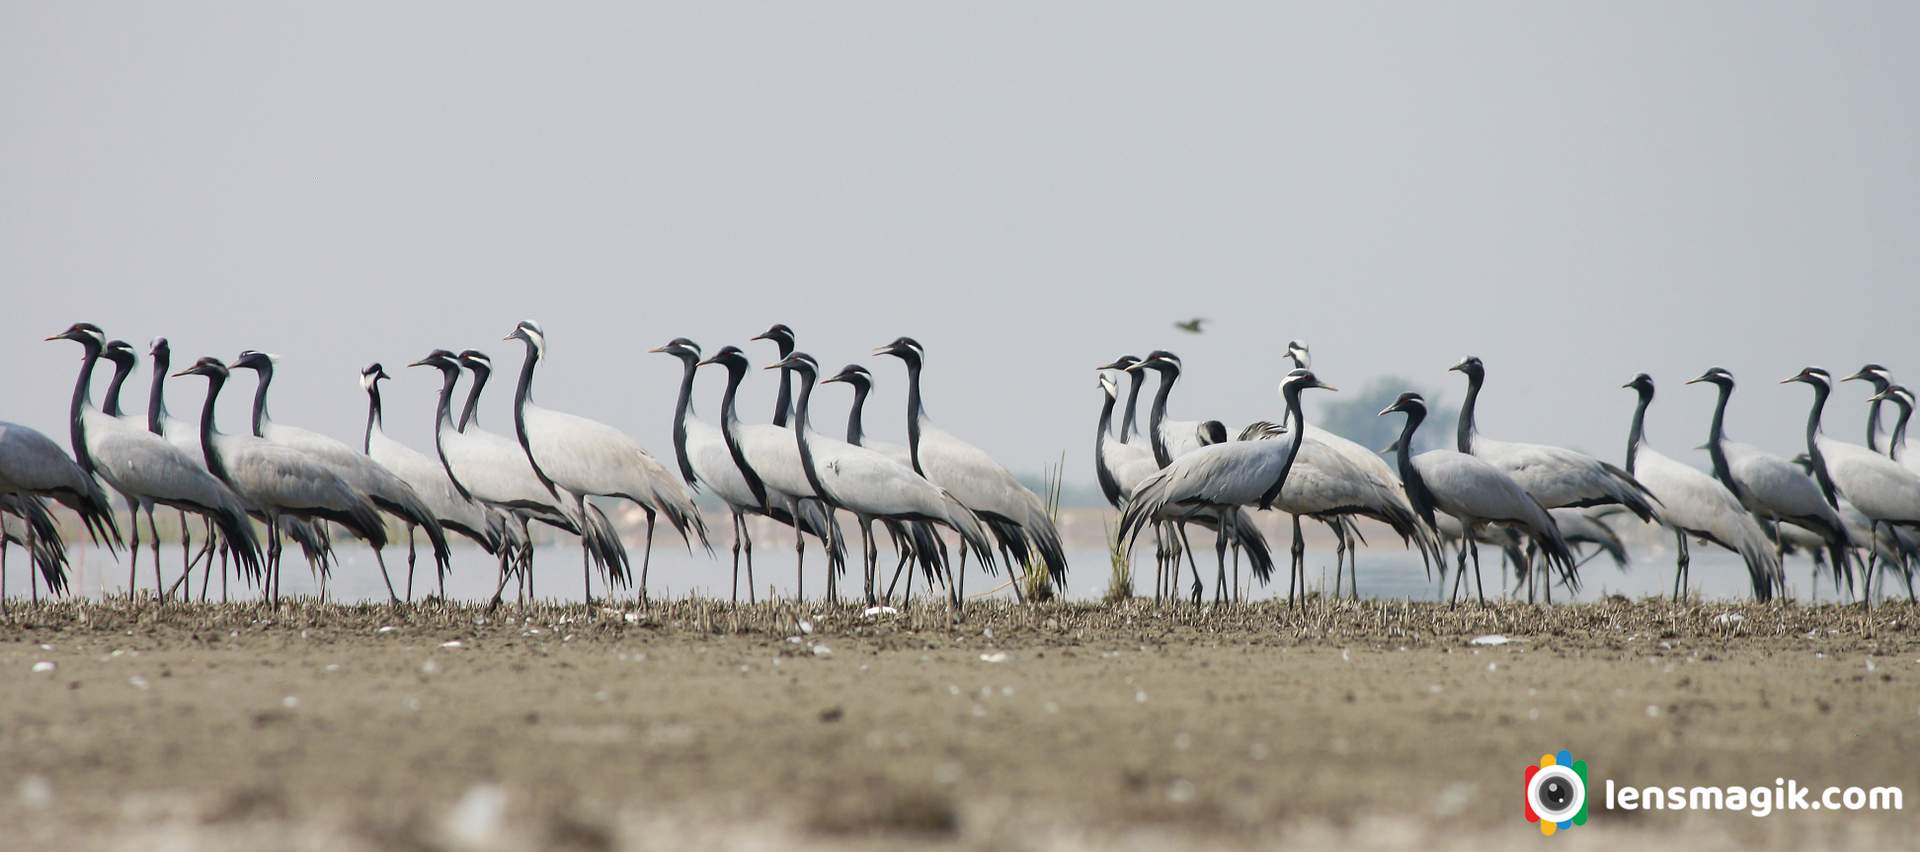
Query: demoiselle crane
{"type": "Point", "coordinates": [874, 487]}
{"type": "Point", "coordinates": [387, 491]}
{"type": "Point", "coordinates": [492, 469]}
{"type": "Point", "coordinates": [1881, 488]}
{"type": "Point", "coordinates": [1016, 517]}
{"type": "Point", "coordinates": [587, 458]}
{"type": "Point", "coordinates": [1770, 486]}
{"type": "Point", "coordinates": [705, 460]}
{"type": "Point", "coordinates": [769, 456]}
{"type": "Point", "coordinates": [455, 512]}
{"type": "Point", "coordinates": [276, 480]}
{"type": "Point", "coordinates": [1693, 503]}
{"type": "Point", "coordinates": [1222, 477]}
{"type": "Point", "coordinates": [1121, 467]}
{"type": "Point", "coordinates": [143, 467]}
{"type": "Point", "coordinates": [1472, 490]}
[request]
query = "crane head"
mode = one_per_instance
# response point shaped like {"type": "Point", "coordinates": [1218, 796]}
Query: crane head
{"type": "Point", "coordinates": [852, 374]}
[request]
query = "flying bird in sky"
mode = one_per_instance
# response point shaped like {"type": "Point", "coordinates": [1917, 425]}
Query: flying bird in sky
{"type": "Point", "coordinates": [1191, 326]}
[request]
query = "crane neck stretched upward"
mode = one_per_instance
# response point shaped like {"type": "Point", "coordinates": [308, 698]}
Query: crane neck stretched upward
{"type": "Point", "coordinates": [1880, 386]}
{"type": "Point", "coordinates": [373, 417]}
{"type": "Point", "coordinates": [1128, 419]}
{"type": "Point", "coordinates": [443, 421]}
{"type": "Point", "coordinates": [470, 412]}
{"type": "Point", "coordinates": [856, 427]}
{"type": "Point", "coordinates": [916, 411]}
{"type": "Point", "coordinates": [215, 382]}
{"type": "Point", "coordinates": [1108, 486]}
{"type": "Point", "coordinates": [110, 404]}
{"type": "Point", "coordinates": [260, 416]}
{"type": "Point", "coordinates": [783, 400]}
{"type": "Point", "coordinates": [730, 430]}
{"type": "Point", "coordinates": [800, 429]}
{"type": "Point", "coordinates": [522, 395]}
{"type": "Point", "coordinates": [1716, 438]}
{"type": "Point", "coordinates": [1292, 395]}
{"type": "Point", "coordinates": [1897, 444]}
{"type": "Point", "coordinates": [82, 400]}
{"type": "Point", "coordinates": [682, 409]}
{"type": "Point", "coordinates": [1157, 416]}
{"type": "Point", "coordinates": [156, 392]}
{"type": "Point", "coordinates": [1820, 392]}
{"type": "Point", "coordinates": [1637, 433]}
{"type": "Point", "coordinates": [1416, 485]}
{"type": "Point", "coordinates": [1467, 428]}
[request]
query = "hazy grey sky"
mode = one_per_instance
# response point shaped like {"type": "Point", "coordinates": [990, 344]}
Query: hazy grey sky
{"type": "Point", "coordinates": [1575, 193]}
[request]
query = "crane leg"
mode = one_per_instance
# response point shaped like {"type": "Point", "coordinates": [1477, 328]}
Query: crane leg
{"type": "Point", "coordinates": [159, 582]}
{"type": "Point", "coordinates": [646, 557]}
{"type": "Point", "coordinates": [746, 527]}
{"type": "Point", "coordinates": [799, 560]}
{"type": "Point", "coordinates": [586, 568]}
{"type": "Point", "coordinates": [1220, 555]}
{"type": "Point", "coordinates": [1873, 562]}
{"type": "Point", "coordinates": [412, 554]}
{"type": "Point", "coordinates": [1461, 573]}
{"type": "Point", "coordinates": [1479, 586]}
{"type": "Point", "coordinates": [380, 557]}
{"type": "Point", "coordinates": [33, 574]}
{"type": "Point", "coordinates": [186, 547]}
{"type": "Point", "coordinates": [1296, 568]}
{"type": "Point", "coordinates": [1187, 546]}
{"type": "Point", "coordinates": [736, 558]}
{"type": "Point", "coordinates": [1239, 592]}
{"type": "Point", "coordinates": [1680, 562]}
{"type": "Point", "coordinates": [870, 556]}
{"type": "Point", "coordinates": [1159, 563]}
{"type": "Point", "coordinates": [133, 565]}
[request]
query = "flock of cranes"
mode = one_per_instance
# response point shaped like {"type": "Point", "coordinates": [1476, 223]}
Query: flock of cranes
{"type": "Point", "coordinates": [489, 487]}
{"type": "Point", "coordinates": [1836, 501]}
{"type": "Point", "coordinates": [938, 499]}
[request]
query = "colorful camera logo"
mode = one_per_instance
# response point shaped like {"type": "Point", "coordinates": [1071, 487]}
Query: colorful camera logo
{"type": "Point", "coordinates": [1557, 792]}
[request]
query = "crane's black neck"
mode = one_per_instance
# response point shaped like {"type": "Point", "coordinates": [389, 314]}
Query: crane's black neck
{"type": "Point", "coordinates": [1158, 416]}
{"type": "Point", "coordinates": [783, 401]}
{"type": "Point", "coordinates": [1109, 487]}
{"type": "Point", "coordinates": [1820, 392]}
{"type": "Point", "coordinates": [1873, 425]}
{"type": "Point", "coordinates": [1716, 438]}
{"type": "Point", "coordinates": [1137, 378]}
{"type": "Point", "coordinates": [856, 426]}
{"type": "Point", "coordinates": [1292, 395]}
{"type": "Point", "coordinates": [1416, 485]}
{"type": "Point", "coordinates": [1467, 427]}
{"type": "Point", "coordinates": [730, 431]}
{"type": "Point", "coordinates": [82, 397]}
{"type": "Point", "coordinates": [1637, 433]}
{"type": "Point", "coordinates": [682, 409]}
{"type": "Point", "coordinates": [1880, 386]}
{"type": "Point", "coordinates": [443, 421]}
{"type": "Point", "coordinates": [916, 411]}
{"type": "Point", "coordinates": [522, 395]}
{"type": "Point", "coordinates": [800, 429]}
{"type": "Point", "coordinates": [373, 417]}
{"type": "Point", "coordinates": [110, 404]}
{"type": "Point", "coordinates": [260, 416]}
{"type": "Point", "coordinates": [470, 412]}
{"type": "Point", "coordinates": [1897, 443]}
{"type": "Point", "coordinates": [215, 382]}
{"type": "Point", "coordinates": [156, 395]}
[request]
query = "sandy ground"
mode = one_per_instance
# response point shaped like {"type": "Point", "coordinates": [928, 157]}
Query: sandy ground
{"type": "Point", "coordinates": [694, 725]}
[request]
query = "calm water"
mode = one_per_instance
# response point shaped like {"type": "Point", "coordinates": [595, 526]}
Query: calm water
{"type": "Point", "coordinates": [1384, 573]}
